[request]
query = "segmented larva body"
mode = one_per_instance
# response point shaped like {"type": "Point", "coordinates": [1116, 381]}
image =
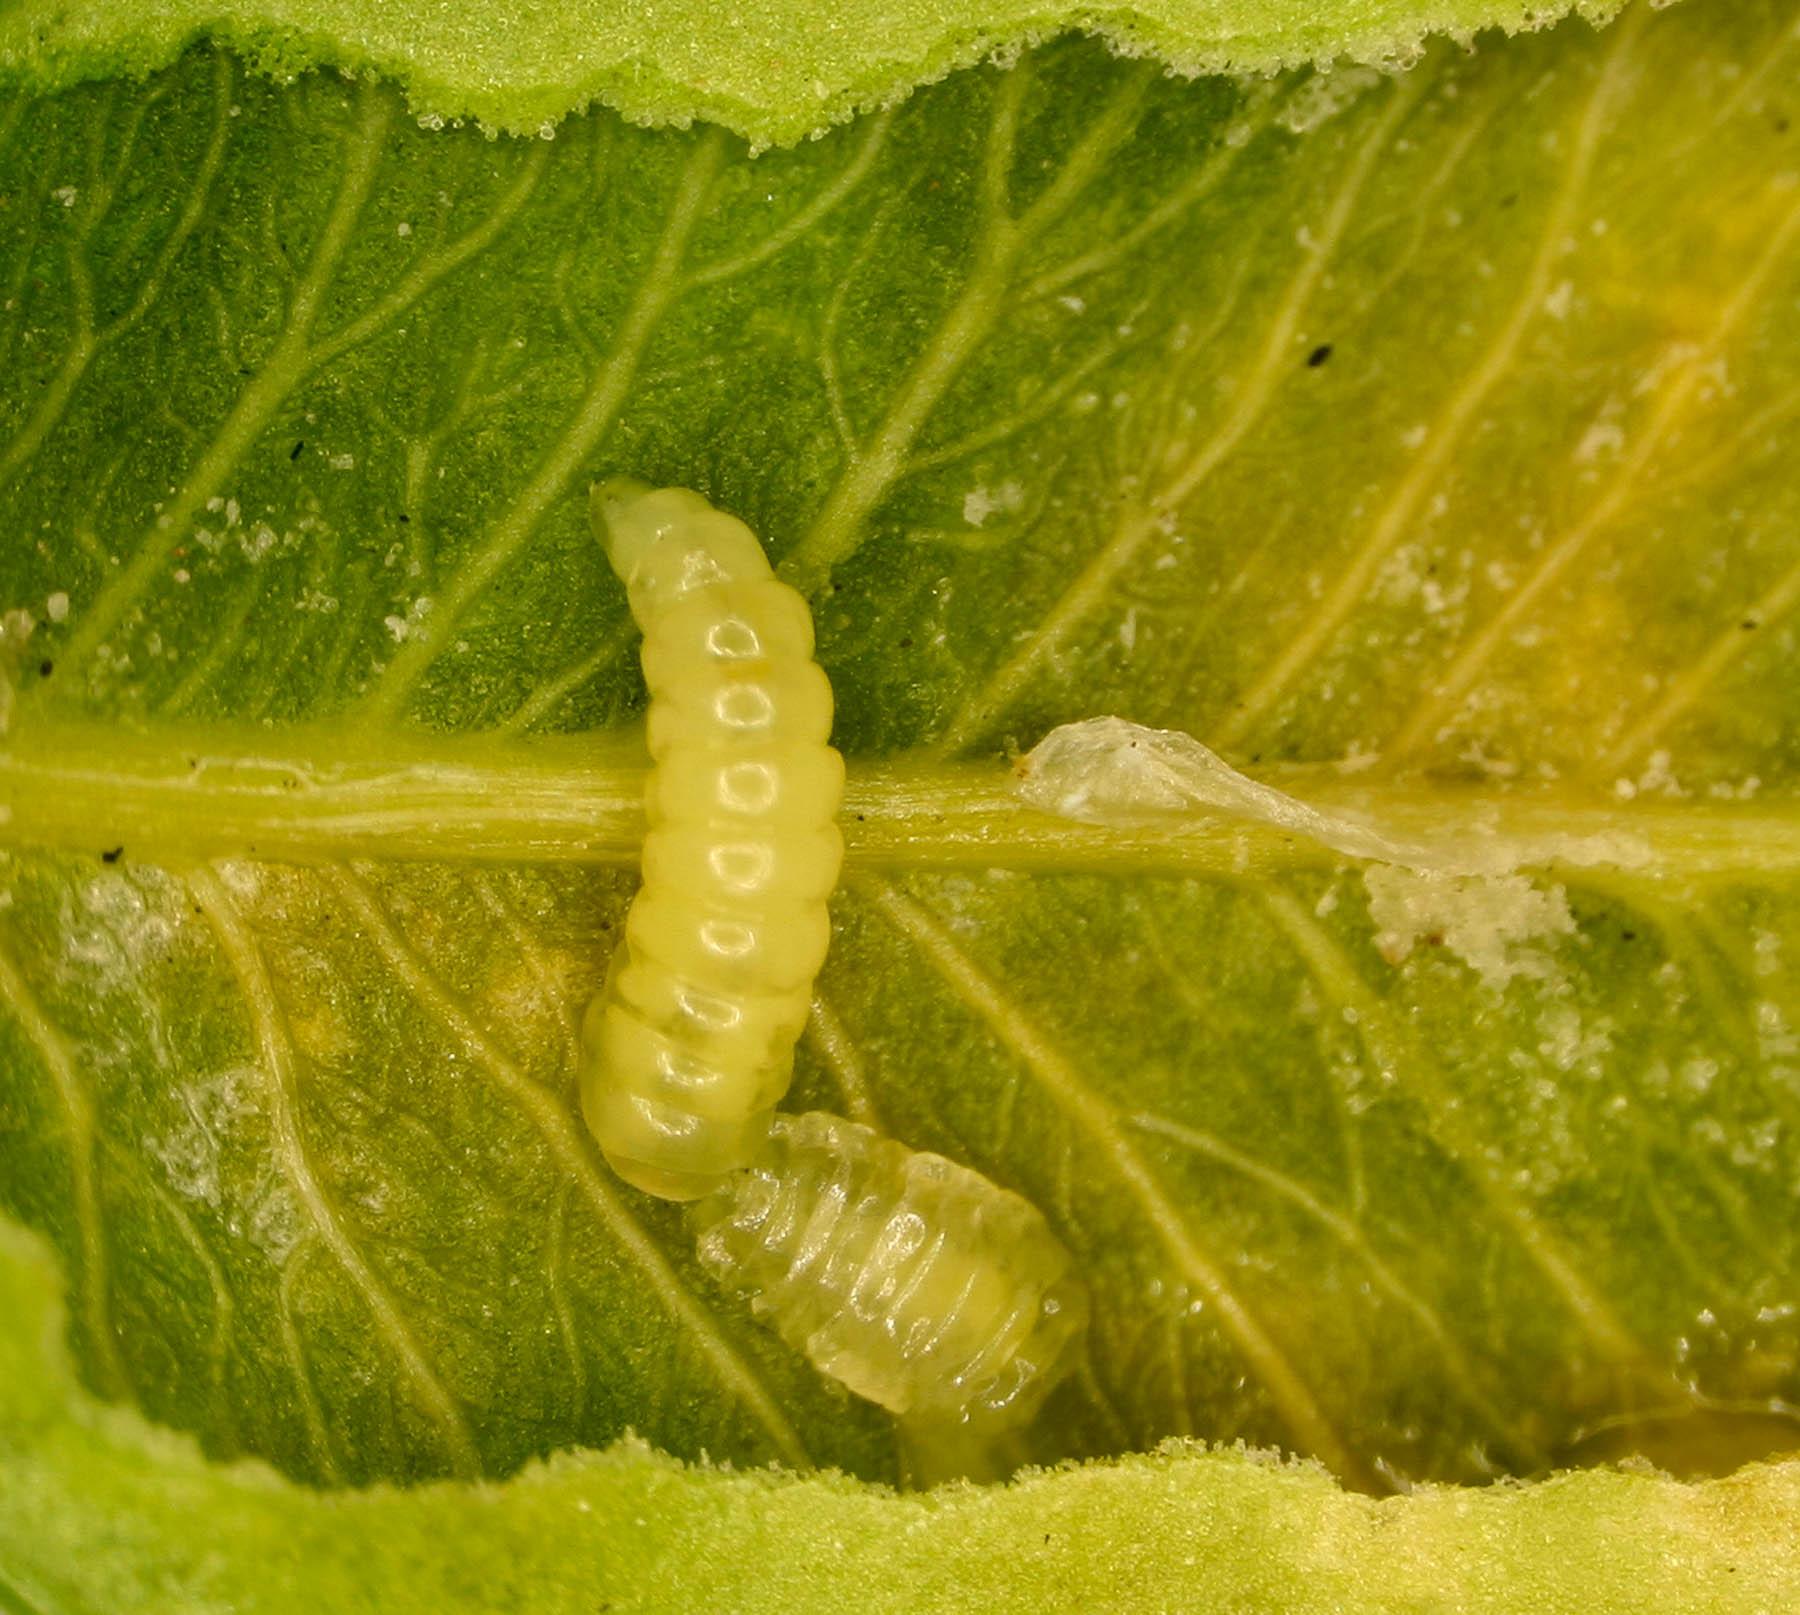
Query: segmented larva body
{"type": "Point", "coordinates": [920, 1284]}
{"type": "Point", "coordinates": [689, 1046]}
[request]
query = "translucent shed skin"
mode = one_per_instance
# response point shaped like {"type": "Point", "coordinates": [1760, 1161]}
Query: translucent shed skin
{"type": "Point", "coordinates": [690, 1044]}
{"type": "Point", "coordinates": [918, 1283]}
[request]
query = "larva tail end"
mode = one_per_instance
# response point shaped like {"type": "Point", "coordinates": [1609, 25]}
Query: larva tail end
{"type": "Point", "coordinates": [661, 1182]}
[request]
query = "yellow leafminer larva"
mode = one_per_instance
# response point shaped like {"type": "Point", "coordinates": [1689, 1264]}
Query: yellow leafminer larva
{"type": "Point", "coordinates": [689, 1046]}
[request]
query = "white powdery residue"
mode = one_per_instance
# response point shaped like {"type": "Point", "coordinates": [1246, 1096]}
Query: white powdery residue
{"type": "Point", "coordinates": [1571, 1044]}
{"type": "Point", "coordinates": [342, 462]}
{"type": "Point", "coordinates": [127, 922]}
{"type": "Point", "coordinates": [403, 628]}
{"type": "Point", "coordinates": [1323, 96]}
{"type": "Point", "coordinates": [1697, 1074]}
{"type": "Point", "coordinates": [258, 542]}
{"type": "Point", "coordinates": [242, 878]}
{"type": "Point", "coordinates": [66, 194]}
{"type": "Point", "coordinates": [277, 1224]}
{"type": "Point", "coordinates": [1605, 849]}
{"type": "Point", "coordinates": [1489, 922]}
{"type": "Point", "coordinates": [1776, 1039]}
{"type": "Point", "coordinates": [1602, 438]}
{"type": "Point", "coordinates": [1658, 776]}
{"type": "Point", "coordinates": [56, 608]}
{"type": "Point", "coordinates": [216, 1106]}
{"type": "Point", "coordinates": [1556, 304]}
{"type": "Point", "coordinates": [981, 502]}
{"type": "Point", "coordinates": [1400, 575]}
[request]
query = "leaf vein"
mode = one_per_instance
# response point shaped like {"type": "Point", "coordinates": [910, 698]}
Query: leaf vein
{"type": "Point", "coordinates": [1454, 419]}
{"type": "Point", "coordinates": [1436, 708]}
{"type": "Point", "coordinates": [575, 1156]}
{"type": "Point", "coordinates": [593, 419]}
{"type": "Point", "coordinates": [1097, 1120]}
{"type": "Point", "coordinates": [285, 365]}
{"type": "Point", "coordinates": [77, 1108]}
{"type": "Point", "coordinates": [293, 1348]}
{"type": "Point", "coordinates": [1525, 1454]}
{"type": "Point", "coordinates": [1392, 1050]}
{"type": "Point", "coordinates": [1137, 523]}
{"type": "Point", "coordinates": [841, 525]}
{"type": "Point", "coordinates": [276, 1056]}
{"type": "Point", "coordinates": [1685, 688]}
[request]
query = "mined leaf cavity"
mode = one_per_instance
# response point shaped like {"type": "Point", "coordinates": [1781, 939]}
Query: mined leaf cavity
{"type": "Point", "coordinates": [1422, 445]}
{"type": "Point", "coordinates": [773, 72]}
{"type": "Point", "coordinates": [100, 1511]}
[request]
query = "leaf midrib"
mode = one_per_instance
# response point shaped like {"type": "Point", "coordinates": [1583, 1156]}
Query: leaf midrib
{"type": "Point", "coordinates": [172, 794]}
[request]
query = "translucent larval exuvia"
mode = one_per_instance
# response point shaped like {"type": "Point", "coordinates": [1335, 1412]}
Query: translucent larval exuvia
{"type": "Point", "coordinates": [918, 1283]}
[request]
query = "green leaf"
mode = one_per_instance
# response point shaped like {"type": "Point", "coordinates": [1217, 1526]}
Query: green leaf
{"type": "Point", "coordinates": [99, 1512]}
{"type": "Point", "coordinates": [1425, 444]}
{"type": "Point", "coordinates": [773, 72]}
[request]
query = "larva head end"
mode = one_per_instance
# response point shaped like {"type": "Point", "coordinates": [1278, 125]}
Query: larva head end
{"type": "Point", "coordinates": [615, 507]}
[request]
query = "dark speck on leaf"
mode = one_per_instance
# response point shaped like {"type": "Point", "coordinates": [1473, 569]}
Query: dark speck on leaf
{"type": "Point", "coordinates": [403, 517]}
{"type": "Point", "coordinates": [294, 452]}
{"type": "Point", "coordinates": [1318, 355]}
{"type": "Point", "coordinates": [46, 668]}
{"type": "Point", "coordinates": [1750, 625]}
{"type": "Point", "coordinates": [113, 856]}
{"type": "Point", "coordinates": [1628, 936]}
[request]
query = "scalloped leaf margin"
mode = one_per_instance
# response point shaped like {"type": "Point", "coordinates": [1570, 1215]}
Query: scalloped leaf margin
{"type": "Point", "coordinates": [773, 73]}
{"type": "Point", "coordinates": [97, 1510]}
